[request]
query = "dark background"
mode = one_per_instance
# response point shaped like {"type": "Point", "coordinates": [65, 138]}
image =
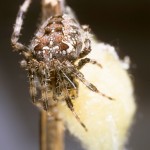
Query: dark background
{"type": "Point", "coordinates": [124, 24]}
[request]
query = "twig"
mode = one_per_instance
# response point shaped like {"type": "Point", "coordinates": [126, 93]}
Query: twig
{"type": "Point", "coordinates": [52, 7]}
{"type": "Point", "coordinates": [51, 130]}
{"type": "Point", "coordinates": [51, 133]}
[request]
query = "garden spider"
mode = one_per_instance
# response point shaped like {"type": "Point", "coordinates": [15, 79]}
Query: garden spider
{"type": "Point", "coordinates": [50, 60]}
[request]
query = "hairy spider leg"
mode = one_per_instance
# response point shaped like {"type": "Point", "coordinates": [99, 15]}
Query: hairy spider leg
{"type": "Point", "coordinates": [74, 90]}
{"type": "Point", "coordinates": [55, 81]}
{"type": "Point", "coordinates": [61, 69]}
{"type": "Point", "coordinates": [44, 88]}
{"type": "Point", "coordinates": [90, 86]}
{"type": "Point", "coordinates": [17, 29]}
{"type": "Point", "coordinates": [87, 49]}
{"type": "Point", "coordinates": [73, 85]}
{"type": "Point", "coordinates": [33, 90]}
{"type": "Point", "coordinates": [70, 104]}
{"type": "Point", "coordinates": [84, 61]}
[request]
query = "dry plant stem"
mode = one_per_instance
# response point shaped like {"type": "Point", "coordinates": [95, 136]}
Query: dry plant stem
{"type": "Point", "coordinates": [52, 131]}
{"type": "Point", "coordinates": [52, 7]}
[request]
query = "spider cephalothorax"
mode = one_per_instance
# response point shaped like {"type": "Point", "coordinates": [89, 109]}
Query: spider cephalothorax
{"type": "Point", "coordinates": [50, 60]}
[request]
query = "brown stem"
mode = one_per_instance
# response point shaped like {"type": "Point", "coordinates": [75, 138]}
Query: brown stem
{"type": "Point", "coordinates": [52, 7]}
{"type": "Point", "coordinates": [52, 130]}
{"type": "Point", "coordinates": [52, 133]}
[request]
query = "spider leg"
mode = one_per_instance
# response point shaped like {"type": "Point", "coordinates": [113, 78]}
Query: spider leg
{"type": "Point", "coordinates": [87, 42]}
{"type": "Point", "coordinates": [73, 85]}
{"type": "Point", "coordinates": [44, 87]}
{"type": "Point", "coordinates": [44, 94]}
{"type": "Point", "coordinates": [55, 81]}
{"type": "Point", "coordinates": [61, 70]}
{"type": "Point", "coordinates": [17, 28]}
{"type": "Point", "coordinates": [33, 90]}
{"type": "Point", "coordinates": [84, 61]}
{"type": "Point", "coordinates": [87, 48]}
{"type": "Point", "coordinates": [92, 87]}
{"type": "Point", "coordinates": [70, 105]}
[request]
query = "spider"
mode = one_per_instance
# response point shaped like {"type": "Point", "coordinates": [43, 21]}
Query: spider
{"type": "Point", "coordinates": [50, 60]}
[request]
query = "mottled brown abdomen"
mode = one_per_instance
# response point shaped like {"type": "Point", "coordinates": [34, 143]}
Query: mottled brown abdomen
{"type": "Point", "coordinates": [60, 38]}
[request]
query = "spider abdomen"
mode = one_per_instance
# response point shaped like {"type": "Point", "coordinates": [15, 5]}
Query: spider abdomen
{"type": "Point", "coordinates": [60, 38]}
